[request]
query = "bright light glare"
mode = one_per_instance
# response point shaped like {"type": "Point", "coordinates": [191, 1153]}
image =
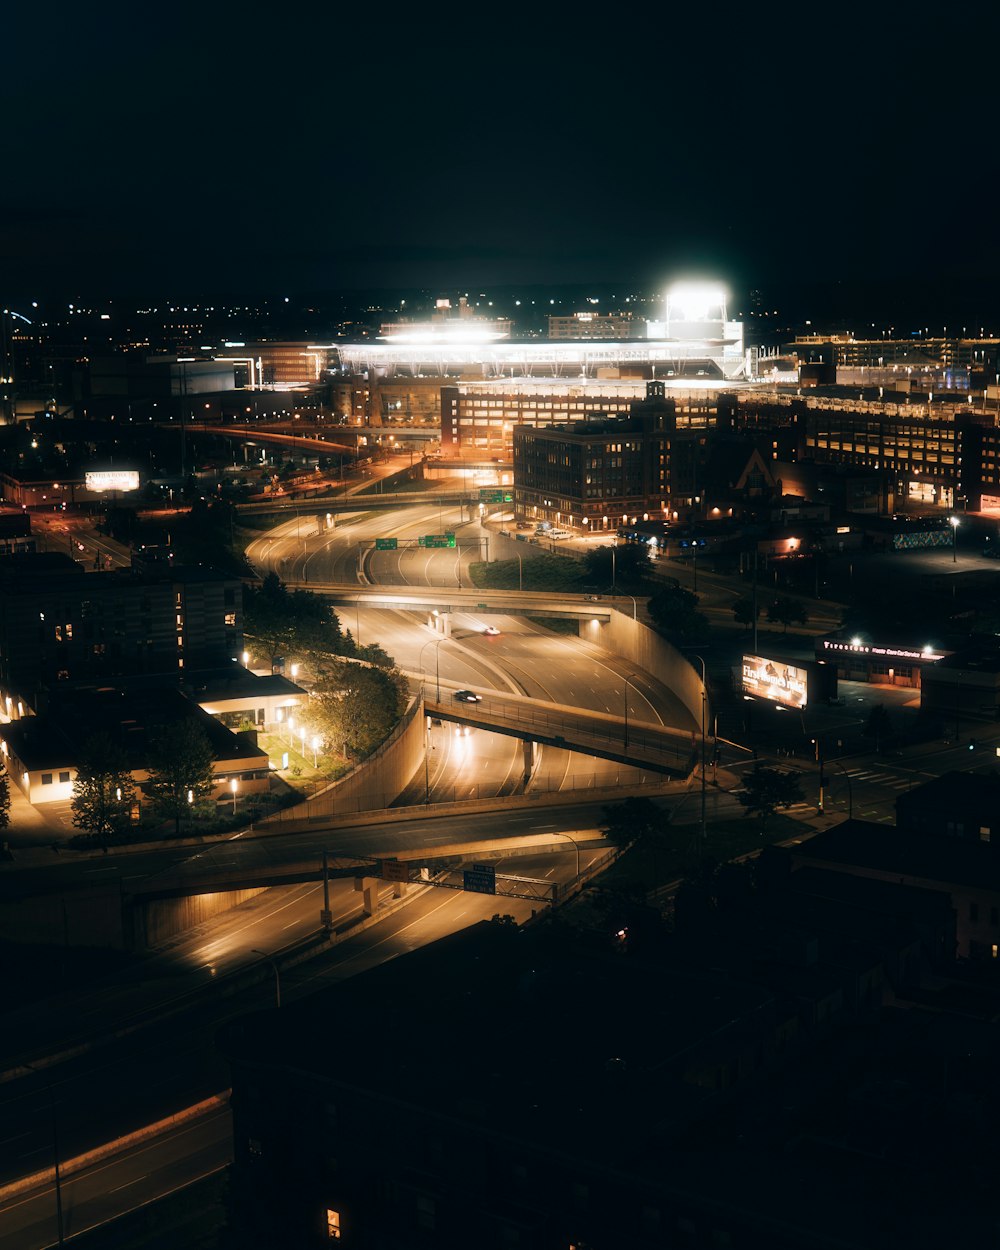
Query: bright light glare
{"type": "Point", "coordinates": [694, 301]}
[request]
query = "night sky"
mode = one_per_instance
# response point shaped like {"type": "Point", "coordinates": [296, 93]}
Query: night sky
{"type": "Point", "coordinates": [193, 149]}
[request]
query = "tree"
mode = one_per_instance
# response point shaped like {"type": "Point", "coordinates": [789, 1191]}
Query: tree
{"type": "Point", "coordinates": [765, 790]}
{"type": "Point", "coordinates": [673, 610]}
{"type": "Point", "coordinates": [635, 817]}
{"type": "Point", "coordinates": [878, 725]}
{"type": "Point", "coordinates": [745, 612]}
{"type": "Point", "coordinates": [355, 707]}
{"type": "Point", "coordinates": [785, 611]}
{"type": "Point", "coordinates": [295, 621]}
{"type": "Point", "coordinates": [180, 768]}
{"type": "Point", "coordinates": [623, 565]}
{"type": "Point", "coordinates": [4, 798]}
{"type": "Point", "coordinates": [103, 792]}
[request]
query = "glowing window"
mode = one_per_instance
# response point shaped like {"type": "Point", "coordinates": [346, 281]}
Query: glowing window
{"type": "Point", "coordinates": [332, 1224]}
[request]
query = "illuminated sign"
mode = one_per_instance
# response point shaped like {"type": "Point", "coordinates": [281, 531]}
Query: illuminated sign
{"type": "Point", "coordinates": [769, 679]}
{"type": "Point", "coordinates": [113, 479]}
{"type": "Point", "coordinates": [927, 656]}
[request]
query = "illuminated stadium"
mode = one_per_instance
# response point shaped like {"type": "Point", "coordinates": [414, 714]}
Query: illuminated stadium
{"type": "Point", "coordinates": [695, 342]}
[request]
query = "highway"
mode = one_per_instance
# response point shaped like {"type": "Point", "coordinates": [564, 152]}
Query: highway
{"type": "Point", "coordinates": [149, 1073]}
{"type": "Point", "coordinates": [524, 659]}
{"type": "Point", "coordinates": [124, 1085]}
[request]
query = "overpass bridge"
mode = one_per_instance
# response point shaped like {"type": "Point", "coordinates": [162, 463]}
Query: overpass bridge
{"type": "Point", "coordinates": [449, 599]}
{"type": "Point", "coordinates": [643, 744]}
{"type": "Point", "coordinates": [326, 500]}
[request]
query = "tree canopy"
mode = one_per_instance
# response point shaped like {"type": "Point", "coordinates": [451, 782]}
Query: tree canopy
{"type": "Point", "coordinates": [674, 611]}
{"type": "Point", "coordinates": [180, 768]}
{"type": "Point", "coordinates": [633, 818]}
{"type": "Point", "coordinates": [622, 565]}
{"type": "Point", "coordinates": [765, 790]}
{"type": "Point", "coordinates": [285, 621]}
{"type": "Point", "coordinates": [786, 611]}
{"type": "Point", "coordinates": [743, 611]}
{"type": "Point", "coordinates": [103, 792]}
{"type": "Point", "coordinates": [355, 706]}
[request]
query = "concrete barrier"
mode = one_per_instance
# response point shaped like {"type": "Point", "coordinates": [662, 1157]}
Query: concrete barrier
{"type": "Point", "coordinates": [643, 647]}
{"type": "Point", "coordinates": [69, 1167]}
{"type": "Point", "coordinates": [374, 783]}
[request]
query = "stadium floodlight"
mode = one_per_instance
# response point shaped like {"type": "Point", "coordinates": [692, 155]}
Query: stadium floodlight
{"type": "Point", "coordinates": [696, 301]}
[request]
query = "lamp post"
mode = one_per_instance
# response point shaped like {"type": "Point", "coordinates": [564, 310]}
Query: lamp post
{"type": "Point", "coordinates": [315, 747]}
{"type": "Point", "coordinates": [277, 974]}
{"type": "Point", "coordinates": [614, 568]}
{"type": "Point", "coordinates": [704, 697]}
{"type": "Point", "coordinates": [436, 643]}
{"type": "Point", "coordinates": [629, 678]}
{"type": "Point", "coordinates": [954, 539]}
{"type": "Point", "coordinates": [57, 1177]}
{"type": "Point", "coordinates": [850, 791]}
{"type": "Point", "coordinates": [558, 833]}
{"type": "Point", "coordinates": [234, 785]}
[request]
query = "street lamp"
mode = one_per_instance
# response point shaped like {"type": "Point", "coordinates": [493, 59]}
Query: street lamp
{"type": "Point", "coordinates": [954, 538]}
{"type": "Point", "coordinates": [315, 747]}
{"type": "Point", "coordinates": [234, 785]}
{"type": "Point", "coordinates": [558, 833]}
{"type": "Point", "coordinates": [704, 696]}
{"type": "Point", "coordinates": [277, 974]}
{"type": "Point", "coordinates": [629, 678]}
{"type": "Point", "coordinates": [436, 643]}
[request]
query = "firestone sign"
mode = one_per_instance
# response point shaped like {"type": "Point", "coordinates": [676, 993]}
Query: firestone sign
{"type": "Point", "coordinates": [927, 656]}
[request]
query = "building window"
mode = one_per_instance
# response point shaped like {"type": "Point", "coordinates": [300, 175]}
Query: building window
{"type": "Point", "coordinates": [332, 1224]}
{"type": "Point", "coordinates": [231, 618]}
{"type": "Point", "coordinates": [984, 833]}
{"type": "Point", "coordinates": [64, 777]}
{"type": "Point", "coordinates": [46, 779]}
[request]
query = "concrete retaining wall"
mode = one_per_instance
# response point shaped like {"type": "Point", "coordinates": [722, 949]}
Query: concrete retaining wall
{"type": "Point", "coordinates": [163, 918]}
{"type": "Point", "coordinates": [642, 646]}
{"type": "Point", "coordinates": [375, 783]}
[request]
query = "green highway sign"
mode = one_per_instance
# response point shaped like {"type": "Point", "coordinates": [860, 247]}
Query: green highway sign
{"type": "Point", "coordinates": [385, 544]}
{"type": "Point", "coordinates": [491, 495]}
{"type": "Point", "coordinates": [436, 540]}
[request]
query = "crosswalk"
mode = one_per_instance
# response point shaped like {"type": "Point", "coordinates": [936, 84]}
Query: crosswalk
{"type": "Point", "coordinates": [877, 776]}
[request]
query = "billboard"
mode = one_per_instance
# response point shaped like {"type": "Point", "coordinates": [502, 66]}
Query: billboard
{"type": "Point", "coordinates": [775, 680]}
{"type": "Point", "coordinates": [113, 479]}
